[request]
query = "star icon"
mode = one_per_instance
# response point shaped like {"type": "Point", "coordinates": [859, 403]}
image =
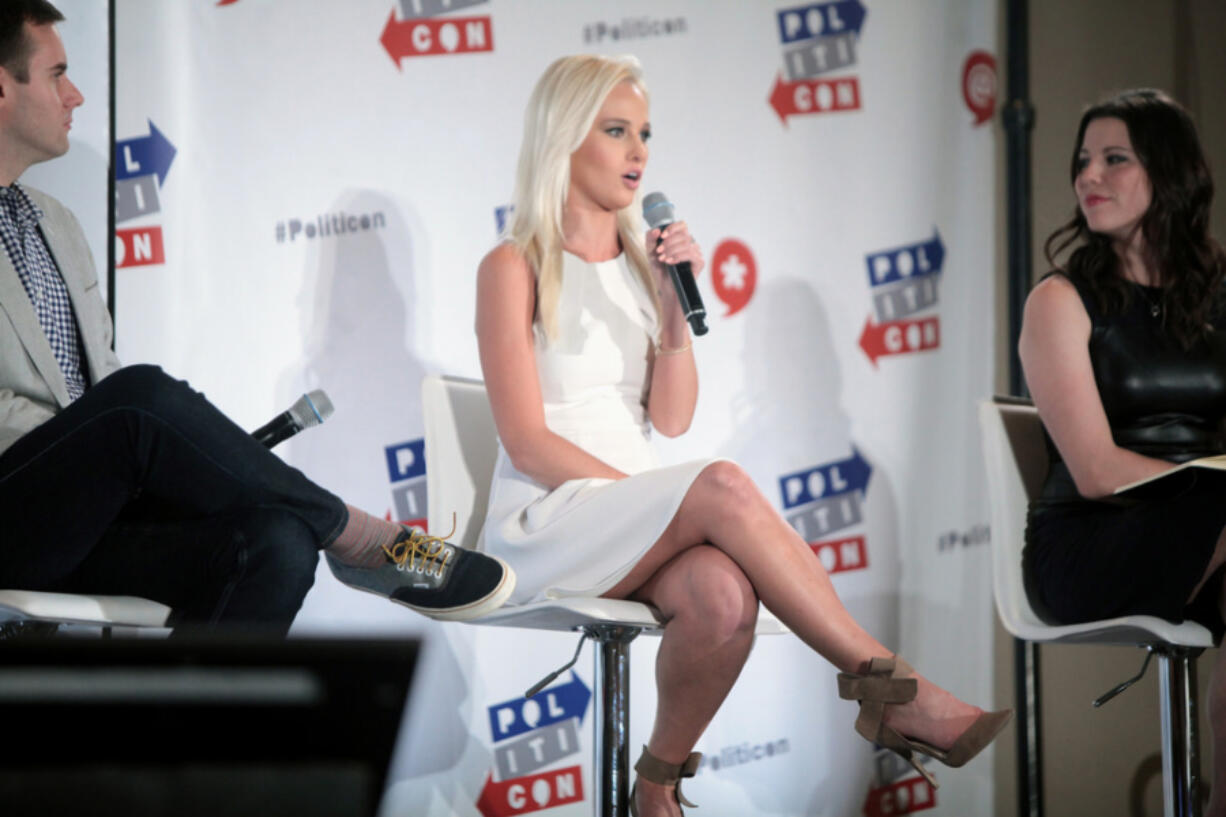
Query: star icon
{"type": "Point", "coordinates": [733, 272]}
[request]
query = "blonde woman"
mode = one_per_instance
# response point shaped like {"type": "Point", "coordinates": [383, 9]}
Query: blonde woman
{"type": "Point", "coordinates": [584, 350]}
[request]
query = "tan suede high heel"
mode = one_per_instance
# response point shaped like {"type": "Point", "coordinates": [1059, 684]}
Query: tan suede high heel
{"type": "Point", "coordinates": [652, 769]}
{"type": "Point", "coordinates": [884, 684]}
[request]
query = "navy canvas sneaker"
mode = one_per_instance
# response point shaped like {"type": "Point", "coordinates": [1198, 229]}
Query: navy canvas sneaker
{"type": "Point", "coordinates": [433, 577]}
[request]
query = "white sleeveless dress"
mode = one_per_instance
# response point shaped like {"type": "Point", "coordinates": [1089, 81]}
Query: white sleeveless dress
{"type": "Point", "coordinates": [584, 536]}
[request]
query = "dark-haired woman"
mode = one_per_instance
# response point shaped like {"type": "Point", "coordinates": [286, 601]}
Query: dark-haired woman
{"type": "Point", "coordinates": [1124, 350]}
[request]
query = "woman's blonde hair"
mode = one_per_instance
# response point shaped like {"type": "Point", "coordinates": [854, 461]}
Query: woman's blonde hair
{"type": "Point", "coordinates": [560, 114]}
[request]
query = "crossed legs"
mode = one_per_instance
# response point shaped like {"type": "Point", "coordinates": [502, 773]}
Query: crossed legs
{"type": "Point", "coordinates": [711, 610]}
{"type": "Point", "coordinates": [143, 487]}
{"type": "Point", "coordinates": [725, 548]}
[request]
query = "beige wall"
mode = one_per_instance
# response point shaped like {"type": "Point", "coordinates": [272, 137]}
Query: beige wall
{"type": "Point", "coordinates": [1104, 761]}
{"type": "Point", "coordinates": [1082, 50]}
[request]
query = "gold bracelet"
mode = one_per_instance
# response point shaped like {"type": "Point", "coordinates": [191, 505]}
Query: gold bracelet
{"type": "Point", "coordinates": [661, 351]}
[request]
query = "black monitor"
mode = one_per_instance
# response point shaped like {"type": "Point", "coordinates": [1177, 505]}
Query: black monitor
{"type": "Point", "coordinates": [208, 726]}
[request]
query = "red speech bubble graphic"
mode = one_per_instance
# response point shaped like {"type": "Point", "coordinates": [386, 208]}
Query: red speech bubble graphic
{"type": "Point", "coordinates": [734, 274]}
{"type": "Point", "coordinates": [979, 85]}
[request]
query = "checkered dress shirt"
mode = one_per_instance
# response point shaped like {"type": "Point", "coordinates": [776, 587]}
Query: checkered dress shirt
{"type": "Point", "coordinates": [24, 243]}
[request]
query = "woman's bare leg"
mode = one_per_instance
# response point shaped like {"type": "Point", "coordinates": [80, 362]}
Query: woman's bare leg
{"type": "Point", "coordinates": [711, 610]}
{"type": "Point", "coordinates": [725, 509]}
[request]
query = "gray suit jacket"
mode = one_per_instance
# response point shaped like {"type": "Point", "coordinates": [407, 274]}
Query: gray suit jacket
{"type": "Point", "coordinates": [32, 387]}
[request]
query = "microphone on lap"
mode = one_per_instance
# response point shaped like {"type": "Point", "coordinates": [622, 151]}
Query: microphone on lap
{"type": "Point", "coordinates": [658, 212]}
{"type": "Point", "coordinates": [308, 410]}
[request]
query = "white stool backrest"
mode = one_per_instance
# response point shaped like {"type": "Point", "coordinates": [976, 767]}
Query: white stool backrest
{"type": "Point", "coordinates": [461, 449]}
{"type": "Point", "coordinates": [1016, 457]}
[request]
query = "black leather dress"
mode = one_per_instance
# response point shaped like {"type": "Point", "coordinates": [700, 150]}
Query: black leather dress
{"type": "Point", "coordinates": [1093, 559]}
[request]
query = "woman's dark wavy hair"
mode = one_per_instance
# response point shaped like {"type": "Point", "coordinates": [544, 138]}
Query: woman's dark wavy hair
{"type": "Point", "coordinates": [1189, 263]}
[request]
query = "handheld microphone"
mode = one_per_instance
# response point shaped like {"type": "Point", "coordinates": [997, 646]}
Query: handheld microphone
{"type": "Point", "coordinates": [658, 212]}
{"type": "Point", "coordinates": [308, 410]}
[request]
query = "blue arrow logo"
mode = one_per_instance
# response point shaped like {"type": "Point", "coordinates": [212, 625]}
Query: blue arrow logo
{"type": "Point", "coordinates": [820, 20]}
{"type": "Point", "coordinates": [144, 156]}
{"type": "Point", "coordinates": [908, 261]}
{"type": "Point", "coordinates": [812, 484]}
{"type": "Point", "coordinates": [406, 460]}
{"type": "Point", "coordinates": [501, 214]}
{"type": "Point", "coordinates": [550, 705]}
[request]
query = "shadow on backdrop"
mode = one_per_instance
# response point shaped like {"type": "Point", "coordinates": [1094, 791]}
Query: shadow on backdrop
{"type": "Point", "coordinates": [789, 418]}
{"type": "Point", "coordinates": [358, 306]}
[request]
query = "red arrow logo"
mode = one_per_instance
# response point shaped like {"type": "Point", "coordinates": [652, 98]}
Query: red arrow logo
{"type": "Point", "coordinates": [839, 555]}
{"type": "Point", "coordinates": [430, 36]}
{"type": "Point", "coordinates": [904, 797]}
{"type": "Point", "coordinates": [899, 337]}
{"type": "Point", "coordinates": [808, 96]}
{"type": "Point", "coordinates": [139, 247]}
{"type": "Point", "coordinates": [534, 792]}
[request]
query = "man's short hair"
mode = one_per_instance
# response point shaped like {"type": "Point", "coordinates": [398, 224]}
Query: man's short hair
{"type": "Point", "coordinates": [15, 46]}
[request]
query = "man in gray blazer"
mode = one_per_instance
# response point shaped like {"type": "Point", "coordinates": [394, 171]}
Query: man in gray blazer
{"type": "Point", "coordinates": [122, 480]}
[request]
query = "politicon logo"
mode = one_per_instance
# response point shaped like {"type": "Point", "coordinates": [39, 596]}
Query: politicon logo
{"type": "Point", "coordinates": [905, 285]}
{"type": "Point", "coordinates": [823, 503]}
{"type": "Point", "coordinates": [430, 28]}
{"type": "Point", "coordinates": [896, 788]}
{"type": "Point", "coordinates": [536, 741]}
{"type": "Point", "coordinates": [819, 44]}
{"type": "Point", "coordinates": [501, 214]}
{"type": "Point", "coordinates": [141, 165]}
{"type": "Point", "coordinates": [907, 796]}
{"type": "Point", "coordinates": [634, 28]}
{"type": "Point", "coordinates": [974, 536]}
{"type": "Point", "coordinates": [740, 754]}
{"type": "Point", "coordinates": [406, 471]}
{"type": "Point", "coordinates": [327, 225]}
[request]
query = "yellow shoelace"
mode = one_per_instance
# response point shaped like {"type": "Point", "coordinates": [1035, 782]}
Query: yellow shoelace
{"type": "Point", "coordinates": [422, 552]}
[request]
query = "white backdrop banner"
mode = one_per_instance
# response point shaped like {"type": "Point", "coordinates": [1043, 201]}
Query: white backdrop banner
{"type": "Point", "coordinates": [79, 179]}
{"type": "Point", "coordinates": [306, 187]}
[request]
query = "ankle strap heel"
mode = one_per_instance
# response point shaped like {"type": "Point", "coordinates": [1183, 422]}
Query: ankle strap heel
{"type": "Point", "coordinates": [652, 769]}
{"type": "Point", "coordinates": [886, 684]}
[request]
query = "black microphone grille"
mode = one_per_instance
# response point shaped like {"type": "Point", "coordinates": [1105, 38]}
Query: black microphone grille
{"type": "Point", "coordinates": [658, 210]}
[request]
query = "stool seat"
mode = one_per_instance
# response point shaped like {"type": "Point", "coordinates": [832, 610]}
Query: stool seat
{"type": "Point", "coordinates": [461, 449]}
{"type": "Point", "coordinates": [570, 614]}
{"type": "Point", "coordinates": [79, 609]}
{"type": "Point", "coordinates": [1125, 631]}
{"type": "Point", "coordinates": [1015, 453]}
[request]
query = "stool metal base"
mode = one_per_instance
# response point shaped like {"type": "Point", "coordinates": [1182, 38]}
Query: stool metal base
{"type": "Point", "coordinates": [612, 717]}
{"type": "Point", "coordinates": [1180, 742]}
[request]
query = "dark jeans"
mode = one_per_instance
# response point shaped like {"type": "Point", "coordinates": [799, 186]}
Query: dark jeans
{"type": "Point", "coordinates": [142, 487]}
